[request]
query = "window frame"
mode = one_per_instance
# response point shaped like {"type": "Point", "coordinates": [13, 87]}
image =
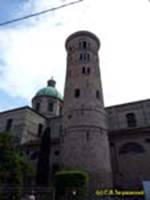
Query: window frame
{"type": "Point", "coordinates": [131, 148]}
{"type": "Point", "coordinates": [9, 124]}
{"type": "Point", "coordinates": [40, 129]}
{"type": "Point", "coordinates": [131, 120]}
{"type": "Point", "coordinates": [83, 70]}
{"type": "Point", "coordinates": [84, 44]}
{"type": "Point", "coordinates": [77, 93]}
{"type": "Point", "coordinates": [37, 107]}
{"type": "Point", "coordinates": [50, 107]}
{"type": "Point", "coordinates": [97, 94]}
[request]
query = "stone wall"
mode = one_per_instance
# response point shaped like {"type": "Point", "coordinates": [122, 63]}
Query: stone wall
{"type": "Point", "coordinates": [130, 157]}
{"type": "Point", "coordinates": [44, 102]}
{"type": "Point", "coordinates": [32, 122]}
{"type": "Point", "coordinates": [25, 123]}
{"type": "Point", "coordinates": [117, 114]}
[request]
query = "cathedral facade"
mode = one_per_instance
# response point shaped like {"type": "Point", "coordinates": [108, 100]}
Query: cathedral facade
{"type": "Point", "coordinates": [111, 143]}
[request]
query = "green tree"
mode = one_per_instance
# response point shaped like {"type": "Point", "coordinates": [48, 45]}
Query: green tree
{"type": "Point", "coordinates": [71, 184]}
{"type": "Point", "coordinates": [15, 170]}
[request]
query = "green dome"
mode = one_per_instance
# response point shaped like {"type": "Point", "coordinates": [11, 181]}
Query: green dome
{"type": "Point", "coordinates": [50, 90]}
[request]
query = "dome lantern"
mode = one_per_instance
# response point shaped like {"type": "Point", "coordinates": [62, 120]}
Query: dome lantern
{"type": "Point", "coordinates": [51, 82]}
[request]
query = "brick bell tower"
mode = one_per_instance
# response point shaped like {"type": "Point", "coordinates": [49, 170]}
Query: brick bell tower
{"type": "Point", "coordinates": [85, 141]}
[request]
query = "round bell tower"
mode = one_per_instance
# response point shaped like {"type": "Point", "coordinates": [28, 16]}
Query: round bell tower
{"type": "Point", "coordinates": [85, 141]}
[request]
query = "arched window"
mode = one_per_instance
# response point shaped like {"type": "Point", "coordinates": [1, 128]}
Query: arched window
{"type": "Point", "coordinates": [77, 93]}
{"type": "Point", "coordinates": [60, 111]}
{"type": "Point", "coordinates": [40, 129]}
{"type": "Point", "coordinates": [97, 94]}
{"type": "Point", "coordinates": [37, 107]}
{"type": "Point", "coordinates": [88, 57]}
{"type": "Point", "coordinates": [80, 58]}
{"type": "Point", "coordinates": [50, 107]}
{"type": "Point", "coordinates": [8, 124]}
{"type": "Point", "coordinates": [131, 148]}
{"type": "Point", "coordinates": [83, 70]}
{"type": "Point", "coordinates": [84, 44]}
{"type": "Point", "coordinates": [80, 45]}
{"type": "Point", "coordinates": [131, 119]}
{"type": "Point", "coordinates": [87, 136]}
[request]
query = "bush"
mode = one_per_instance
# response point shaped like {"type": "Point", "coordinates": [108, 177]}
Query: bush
{"type": "Point", "coordinates": [71, 184]}
{"type": "Point", "coordinates": [15, 170]}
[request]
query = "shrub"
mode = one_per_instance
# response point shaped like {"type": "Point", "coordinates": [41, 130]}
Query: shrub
{"type": "Point", "coordinates": [71, 184]}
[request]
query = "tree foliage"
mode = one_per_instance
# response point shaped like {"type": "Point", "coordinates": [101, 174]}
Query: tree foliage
{"type": "Point", "coordinates": [71, 184]}
{"type": "Point", "coordinates": [15, 170]}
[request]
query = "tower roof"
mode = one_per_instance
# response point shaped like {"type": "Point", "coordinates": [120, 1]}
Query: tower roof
{"type": "Point", "coordinates": [83, 33]}
{"type": "Point", "coordinates": [50, 90]}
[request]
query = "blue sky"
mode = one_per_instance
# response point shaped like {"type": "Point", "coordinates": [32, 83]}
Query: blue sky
{"type": "Point", "coordinates": [8, 8]}
{"type": "Point", "coordinates": [33, 50]}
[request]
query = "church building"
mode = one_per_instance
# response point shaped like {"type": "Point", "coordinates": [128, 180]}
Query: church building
{"type": "Point", "coordinates": [111, 143]}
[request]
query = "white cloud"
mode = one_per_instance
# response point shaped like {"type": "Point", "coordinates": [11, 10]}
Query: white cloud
{"type": "Point", "coordinates": [34, 50]}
